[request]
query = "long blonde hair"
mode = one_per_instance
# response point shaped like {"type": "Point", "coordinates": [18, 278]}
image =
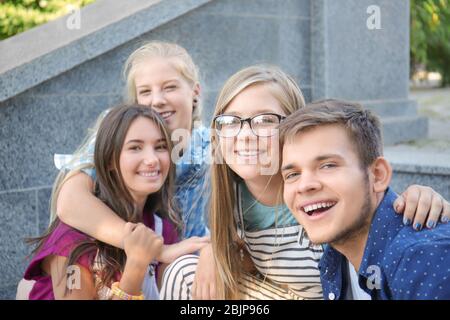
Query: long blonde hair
{"type": "Point", "coordinates": [178, 57]}
{"type": "Point", "coordinates": [224, 237]}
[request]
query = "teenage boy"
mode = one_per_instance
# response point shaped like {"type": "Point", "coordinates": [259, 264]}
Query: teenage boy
{"type": "Point", "coordinates": [336, 184]}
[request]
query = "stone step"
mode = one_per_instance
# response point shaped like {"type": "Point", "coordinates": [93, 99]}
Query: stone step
{"type": "Point", "coordinates": [415, 166]}
{"type": "Point", "coordinates": [403, 129]}
{"type": "Point", "coordinates": [392, 108]}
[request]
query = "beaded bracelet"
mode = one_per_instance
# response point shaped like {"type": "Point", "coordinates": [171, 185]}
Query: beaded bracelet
{"type": "Point", "coordinates": [122, 295]}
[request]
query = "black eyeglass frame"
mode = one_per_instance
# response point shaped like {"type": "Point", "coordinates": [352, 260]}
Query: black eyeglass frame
{"type": "Point", "coordinates": [249, 121]}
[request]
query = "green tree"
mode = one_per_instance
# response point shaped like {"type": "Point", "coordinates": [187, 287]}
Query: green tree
{"type": "Point", "coordinates": [430, 36]}
{"type": "Point", "coordinates": [19, 15]}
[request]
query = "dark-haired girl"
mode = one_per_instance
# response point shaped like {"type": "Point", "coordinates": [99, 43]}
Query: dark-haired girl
{"type": "Point", "coordinates": [135, 179]}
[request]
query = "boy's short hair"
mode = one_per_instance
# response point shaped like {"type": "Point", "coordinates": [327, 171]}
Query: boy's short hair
{"type": "Point", "coordinates": [363, 127]}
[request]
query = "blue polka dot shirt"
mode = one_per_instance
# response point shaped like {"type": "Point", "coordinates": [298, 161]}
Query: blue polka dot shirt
{"type": "Point", "coordinates": [399, 263]}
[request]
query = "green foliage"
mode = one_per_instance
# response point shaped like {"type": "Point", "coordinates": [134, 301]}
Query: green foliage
{"type": "Point", "coordinates": [430, 36]}
{"type": "Point", "coordinates": [19, 15]}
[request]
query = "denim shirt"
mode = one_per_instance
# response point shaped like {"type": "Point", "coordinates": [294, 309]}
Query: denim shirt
{"type": "Point", "coordinates": [399, 263]}
{"type": "Point", "coordinates": [192, 185]}
{"type": "Point", "coordinates": [193, 188]}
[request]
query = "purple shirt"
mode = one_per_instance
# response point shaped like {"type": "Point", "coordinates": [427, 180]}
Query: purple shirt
{"type": "Point", "coordinates": [62, 241]}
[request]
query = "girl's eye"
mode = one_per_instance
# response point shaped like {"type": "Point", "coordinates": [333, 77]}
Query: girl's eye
{"type": "Point", "coordinates": [161, 147]}
{"type": "Point", "coordinates": [171, 87]}
{"type": "Point", "coordinates": [144, 92]}
{"type": "Point", "coordinates": [135, 148]}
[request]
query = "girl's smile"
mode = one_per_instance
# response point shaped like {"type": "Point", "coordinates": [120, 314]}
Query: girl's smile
{"type": "Point", "coordinates": [161, 86]}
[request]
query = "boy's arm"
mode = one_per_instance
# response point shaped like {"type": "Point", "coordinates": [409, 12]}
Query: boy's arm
{"type": "Point", "coordinates": [78, 207]}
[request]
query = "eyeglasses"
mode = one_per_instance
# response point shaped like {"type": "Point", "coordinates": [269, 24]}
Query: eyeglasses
{"type": "Point", "coordinates": [262, 125]}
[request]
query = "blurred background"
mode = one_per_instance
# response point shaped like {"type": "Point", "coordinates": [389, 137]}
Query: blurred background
{"type": "Point", "coordinates": [17, 16]}
{"type": "Point", "coordinates": [430, 66]}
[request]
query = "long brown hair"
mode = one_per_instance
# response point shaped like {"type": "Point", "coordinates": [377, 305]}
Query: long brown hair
{"type": "Point", "coordinates": [224, 237]}
{"type": "Point", "coordinates": [111, 189]}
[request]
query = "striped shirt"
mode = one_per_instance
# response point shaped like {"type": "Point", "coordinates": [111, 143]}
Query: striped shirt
{"type": "Point", "coordinates": [282, 254]}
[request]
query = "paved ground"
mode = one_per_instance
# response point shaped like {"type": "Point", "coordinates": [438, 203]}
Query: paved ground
{"type": "Point", "coordinates": [435, 104]}
{"type": "Point", "coordinates": [434, 150]}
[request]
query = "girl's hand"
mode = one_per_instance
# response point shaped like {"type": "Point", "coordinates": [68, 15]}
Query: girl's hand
{"type": "Point", "coordinates": [171, 252]}
{"type": "Point", "coordinates": [421, 205]}
{"type": "Point", "coordinates": [141, 244]}
{"type": "Point", "coordinates": [204, 286]}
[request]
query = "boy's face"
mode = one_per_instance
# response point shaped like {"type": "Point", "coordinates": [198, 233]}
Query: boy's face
{"type": "Point", "coordinates": [324, 186]}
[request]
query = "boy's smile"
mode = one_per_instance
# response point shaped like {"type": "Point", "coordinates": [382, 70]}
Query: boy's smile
{"type": "Point", "coordinates": [316, 209]}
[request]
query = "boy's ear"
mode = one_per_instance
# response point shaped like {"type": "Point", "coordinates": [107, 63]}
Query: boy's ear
{"type": "Point", "coordinates": [381, 172]}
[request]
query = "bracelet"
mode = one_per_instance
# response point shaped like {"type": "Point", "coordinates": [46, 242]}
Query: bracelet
{"type": "Point", "coordinates": [122, 295]}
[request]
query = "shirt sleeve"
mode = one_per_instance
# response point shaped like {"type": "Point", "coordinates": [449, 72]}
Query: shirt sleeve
{"type": "Point", "coordinates": [61, 242]}
{"type": "Point", "coordinates": [84, 157]}
{"type": "Point", "coordinates": [423, 272]}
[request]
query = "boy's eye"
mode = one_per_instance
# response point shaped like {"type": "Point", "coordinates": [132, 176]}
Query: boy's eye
{"type": "Point", "coordinates": [290, 175]}
{"type": "Point", "coordinates": [171, 87]}
{"type": "Point", "coordinates": [328, 166]}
